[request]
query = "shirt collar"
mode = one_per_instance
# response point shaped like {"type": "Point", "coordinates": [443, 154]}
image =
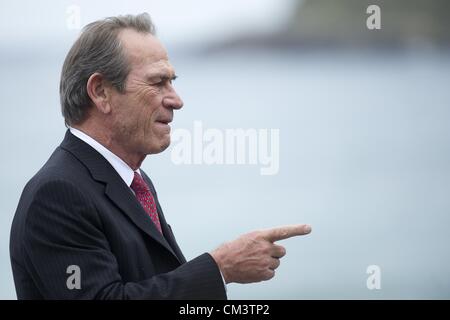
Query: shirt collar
{"type": "Point", "coordinates": [124, 170]}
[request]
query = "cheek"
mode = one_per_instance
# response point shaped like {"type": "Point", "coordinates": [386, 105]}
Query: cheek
{"type": "Point", "coordinates": [120, 110]}
{"type": "Point", "coordinates": [147, 102]}
{"type": "Point", "coordinates": [137, 110]}
{"type": "Point", "coordinates": [145, 95]}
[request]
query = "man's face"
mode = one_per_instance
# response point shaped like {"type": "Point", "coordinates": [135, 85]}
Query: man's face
{"type": "Point", "coordinates": [141, 114]}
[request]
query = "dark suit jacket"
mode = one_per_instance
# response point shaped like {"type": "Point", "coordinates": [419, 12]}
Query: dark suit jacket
{"type": "Point", "coordinates": [78, 211]}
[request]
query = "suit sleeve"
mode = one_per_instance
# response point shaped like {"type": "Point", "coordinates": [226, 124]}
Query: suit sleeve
{"type": "Point", "coordinates": [63, 229]}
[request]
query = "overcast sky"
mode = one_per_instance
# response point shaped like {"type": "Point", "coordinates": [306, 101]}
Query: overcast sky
{"type": "Point", "coordinates": [22, 22]}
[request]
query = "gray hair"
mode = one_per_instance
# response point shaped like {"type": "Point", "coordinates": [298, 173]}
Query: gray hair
{"type": "Point", "coordinates": [97, 49]}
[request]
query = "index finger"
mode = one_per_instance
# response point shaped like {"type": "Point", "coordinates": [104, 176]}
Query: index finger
{"type": "Point", "coordinates": [285, 232]}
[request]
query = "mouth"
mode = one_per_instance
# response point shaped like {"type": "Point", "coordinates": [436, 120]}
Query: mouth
{"type": "Point", "coordinates": [166, 122]}
{"type": "Point", "coordinates": [163, 124]}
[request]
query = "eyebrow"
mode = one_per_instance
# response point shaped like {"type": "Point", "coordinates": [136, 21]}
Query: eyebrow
{"type": "Point", "coordinates": [162, 76]}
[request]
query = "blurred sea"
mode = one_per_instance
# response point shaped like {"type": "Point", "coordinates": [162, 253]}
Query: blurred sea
{"type": "Point", "coordinates": [364, 159]}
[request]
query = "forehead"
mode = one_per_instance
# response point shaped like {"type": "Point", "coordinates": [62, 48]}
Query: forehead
{"type": "Point", "coordinates": [145, 52]}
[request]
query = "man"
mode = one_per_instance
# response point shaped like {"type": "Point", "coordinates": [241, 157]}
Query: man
{"type": "Point", "coordinates": [89, 224]}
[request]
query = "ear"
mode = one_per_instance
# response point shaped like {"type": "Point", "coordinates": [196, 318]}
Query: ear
{"type": "Point", "coordinates": [98, 91]}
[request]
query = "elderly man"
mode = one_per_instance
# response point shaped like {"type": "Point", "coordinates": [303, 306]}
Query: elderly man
{"type": "Point", "coordinates": [89, 224]}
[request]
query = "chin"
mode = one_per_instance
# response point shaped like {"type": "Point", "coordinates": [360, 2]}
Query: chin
{"type": "Point", "coordinates": [161, 146]}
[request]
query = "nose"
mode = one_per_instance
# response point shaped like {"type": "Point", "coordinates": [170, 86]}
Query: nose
{"type": "Point", "coordinates": [172, 100]}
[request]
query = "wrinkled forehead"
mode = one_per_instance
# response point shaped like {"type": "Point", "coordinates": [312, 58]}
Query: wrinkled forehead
{"type": "Point", "coordinates": [145, 52]}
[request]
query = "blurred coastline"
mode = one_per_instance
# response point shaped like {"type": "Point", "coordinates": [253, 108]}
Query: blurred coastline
{"type": "Point", "coordinates": [325, 25]}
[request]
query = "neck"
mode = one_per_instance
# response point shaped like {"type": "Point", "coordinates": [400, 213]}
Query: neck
{"type": "Point", "coordinates": [106, 138]}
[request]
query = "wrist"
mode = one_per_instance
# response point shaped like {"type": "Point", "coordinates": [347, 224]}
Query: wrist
{"type": "Point", "coordinates": [219, 259]}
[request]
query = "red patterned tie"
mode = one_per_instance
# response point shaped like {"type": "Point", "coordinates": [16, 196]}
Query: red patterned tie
{"type": "Point", "coordinates": [145, 198]}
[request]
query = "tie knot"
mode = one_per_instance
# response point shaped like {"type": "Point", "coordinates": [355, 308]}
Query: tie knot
{"type": "Point", "coordinates": [138, 184]}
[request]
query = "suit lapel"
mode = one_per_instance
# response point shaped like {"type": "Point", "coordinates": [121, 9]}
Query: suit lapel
{"type": "Point", "coordinates": [122, 197]}
{"type": "Point", "coordinates": [115, 188]}
{"type": "Point", "coordinates": [164, 225]}
{"type": "Point", "coordinates": [170, 237]}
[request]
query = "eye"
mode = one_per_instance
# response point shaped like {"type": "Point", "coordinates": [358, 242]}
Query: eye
{"type": "Point", "coordinates": [164, 81]}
